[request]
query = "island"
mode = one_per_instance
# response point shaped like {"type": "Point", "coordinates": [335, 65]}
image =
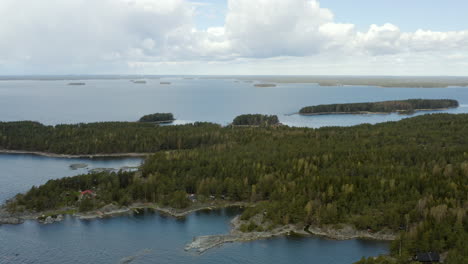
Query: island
{"type": "Point", "coordinates": [378, 81]}
{"type": "Point", "coordinates": [77, 83]}
{"type": "Point", "coordinates": [265, 85]}
{"type": "Point", "coordinates": [157, 118]}
{"type": "Point", "coordinates": [401, 181]}
{"type": "Point", "coordinates": [165, 83]}
{"type": "Point", "coordinates": [402, 106]}
{"type": "Point", "coordinates": [139, 81]}
{"type": "Point", "coordinates": [256, 120]}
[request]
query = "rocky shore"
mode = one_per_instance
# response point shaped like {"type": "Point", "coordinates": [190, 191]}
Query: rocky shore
{"type": "Point", "coordinates": [109, 210]}
{"type": "Point", "coordinates": [203, 243]}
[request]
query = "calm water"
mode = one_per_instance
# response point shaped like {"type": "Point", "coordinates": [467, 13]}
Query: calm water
{"type": "Point", "coordinates": [219, 101]}
{"type": "Point", "coordinates": [18, 173]}
{"type": "Point", "coordinates": [152, 238]}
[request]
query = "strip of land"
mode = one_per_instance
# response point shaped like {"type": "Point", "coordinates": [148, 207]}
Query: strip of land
{"type": "Point", "coordinates": [402, 106]}
{"type": "Point", "coordinates": [72, 156]}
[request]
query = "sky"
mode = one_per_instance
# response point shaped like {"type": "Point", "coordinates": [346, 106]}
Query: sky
{"type": "Point", "coordinates": [234, 37]}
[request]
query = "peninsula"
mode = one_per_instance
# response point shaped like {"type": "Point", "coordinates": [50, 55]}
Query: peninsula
{"type": "Point", "coordinates": [397, 180]}
{"type": "Point", "coordinates": [403, 107]}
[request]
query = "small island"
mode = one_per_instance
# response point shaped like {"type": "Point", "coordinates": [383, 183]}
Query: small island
{"type": "Point", "coordinates": [139, 81]}
{"type": "Point", "coordinates": [165, 83]}
{"type": "Point", "coordinates": [403, 107]}
{"type": "Point", "coordinates": [264, 85]}
{"type": "Point", "coordinates": [157, 118]}
{"type": "Point", "coordinates": [256, 120]}
{"type": "Point", "coordinates": [77, 83]}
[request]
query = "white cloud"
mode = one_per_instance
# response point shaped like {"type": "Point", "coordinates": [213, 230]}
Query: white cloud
{"type": "Point", "coordinates": [105, 36]}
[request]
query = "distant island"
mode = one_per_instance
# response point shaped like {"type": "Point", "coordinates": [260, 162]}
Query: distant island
{"type": "Point", "coordinates": [139, 81]}
{"type": "Point", "coordinates": [402, 106]}
{"type": "Point", "coordinates": [265, 85]}
{"type": "Point", "coordinates": [256, 120]}
{"type": "Point", "coordinates": [77, 83]}
{"type": "Point", "coordinates": [166, 83]}
{"type": "Point", "coordinates": [380, 81]}
{"type": "Point", "coordinates": [157, 118]}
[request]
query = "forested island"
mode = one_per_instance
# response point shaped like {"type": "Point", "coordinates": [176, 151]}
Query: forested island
{"type": "Point", "coordinates": [158, 118]}
{"type": "Point", "coordinates": [402, 106]}
{"type": "Point", "coordinates": [256, 120]}
{"type": "Point", "coordinates": [408, 177]}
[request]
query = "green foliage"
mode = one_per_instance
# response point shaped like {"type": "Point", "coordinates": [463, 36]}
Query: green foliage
{"type": "Point", "coordinates": [106, 137]}
{"type": "Point", "coordinates": [256, 120]}
{"type": "Point", "coordinates": [407, 106]}
{"type": "Point", "coordinates": [157, 117]}
{"type": "Point", "coordinates": [251, 227]}
{"type": "Point", "coordinates": [410, 176]}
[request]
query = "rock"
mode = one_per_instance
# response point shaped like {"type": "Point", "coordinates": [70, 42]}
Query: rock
{"type": "Point", "coordinates": [11, 221]}
{"type": "Point", "coordinates": [109, 208]}
{"type": "Point", "coordinates": [50, 219]}
{"type": "Point", "coordinates": [78, 166]}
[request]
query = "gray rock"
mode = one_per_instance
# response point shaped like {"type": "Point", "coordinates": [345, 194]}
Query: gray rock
{"type": "Point", "coordinates": [11, 221]}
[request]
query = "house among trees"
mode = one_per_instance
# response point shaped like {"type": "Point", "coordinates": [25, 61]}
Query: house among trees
{"type": "Point", "coordinates": [87, 193]}
{"type": "Point", "coordinates": [427, 257]}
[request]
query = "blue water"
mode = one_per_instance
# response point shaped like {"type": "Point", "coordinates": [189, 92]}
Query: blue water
{"type": "Point", "coordinates": [213, 100]}
{"type": "Point", "coordinates": [152, 238]}
{"type": "Point", "coordinates": [18, 172]}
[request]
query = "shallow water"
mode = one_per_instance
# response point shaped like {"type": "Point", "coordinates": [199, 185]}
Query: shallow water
{"type": "Point", "coordinates": [213, 100]}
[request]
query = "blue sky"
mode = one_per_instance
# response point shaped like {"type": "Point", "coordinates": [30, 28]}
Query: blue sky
{"type": "Point", "coordinates": [298, 37]}
{"type": "Point", "coordinates": [410, 15]}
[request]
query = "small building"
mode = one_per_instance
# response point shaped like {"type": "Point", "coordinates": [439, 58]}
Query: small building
{"type": "Point", "coordinates": [427, 257]}
{"type": "Point", "coordinates": [86, 193]}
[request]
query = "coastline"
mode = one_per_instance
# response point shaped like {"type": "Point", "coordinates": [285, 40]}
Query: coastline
{"type": "Point", "coordinates": [108, 211]}
{"type": "Point", "coordinates": [201, 244]}
{"type": "Point", "coordinates": [371, 113]}
{"type": "Point", "coordinates": [71, 156]}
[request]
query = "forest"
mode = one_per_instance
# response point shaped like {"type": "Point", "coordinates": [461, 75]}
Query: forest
{"type": "Point", "coordinates": [157, 117]}
{"type": "Point", "coordinates": [381, 107]}
{"type": "Point", "coordinates": [255, 120]}
{"type": "Point", "coordinates": [410, 176]}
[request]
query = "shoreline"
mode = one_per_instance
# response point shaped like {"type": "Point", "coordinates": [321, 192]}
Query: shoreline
{"type": "Point", "coordinates": [371, 113]}
{"type": "Point", "coordinates": [201, 244]}
{"type": "Point", "coordinates": [108, 211]}
{"type": "Point", "coordinates": [72, 156]}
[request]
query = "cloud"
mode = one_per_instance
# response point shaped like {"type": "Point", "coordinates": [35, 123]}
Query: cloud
{"type": "Point", "coordinates": [106, 36]}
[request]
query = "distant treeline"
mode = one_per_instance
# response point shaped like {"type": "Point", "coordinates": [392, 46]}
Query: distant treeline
{"type": "Point", "coordinates": [256, 120]}
{"type": "Point", "coordinates": [157, 117]}
{"type": "Point", "coordinates": [410, 176]}
{"type": "Point", "coordinates": [106, 137]}
{"type": "Point", "coordinates": [381, 107]}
